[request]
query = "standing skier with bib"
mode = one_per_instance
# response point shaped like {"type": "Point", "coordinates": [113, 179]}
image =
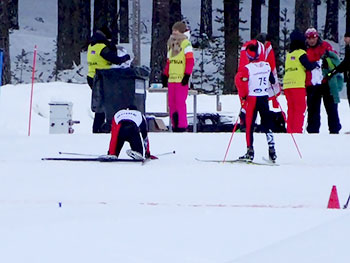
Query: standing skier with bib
{"type": "Point", "coordinates": [252, 81]}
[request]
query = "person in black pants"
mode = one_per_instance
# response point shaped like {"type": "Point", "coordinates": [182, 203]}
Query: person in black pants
{"type": "Point", "coordinates": [127, 125]}
{"type": "Point", "coordinates": [102, 53]}
{"type": "Point", "coordinates": [317, 87]}
{"type": "Point", "coordinates": [344, 66]}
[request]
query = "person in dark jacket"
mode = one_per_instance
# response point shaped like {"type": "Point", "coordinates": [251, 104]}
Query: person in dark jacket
{"type": "Point", "coordinates": [344, 66]}
{"type": "Point", "coordinates": [317, 88]}
{"type": "Point", "coordinates": [101, 54]}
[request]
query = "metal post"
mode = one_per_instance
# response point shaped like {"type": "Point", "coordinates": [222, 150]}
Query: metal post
{"type": "Point", "coordinates": [136, 34]}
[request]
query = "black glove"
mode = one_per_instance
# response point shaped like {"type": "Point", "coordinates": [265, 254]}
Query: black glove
{"type": "Point", "coordinates": [126, 58]}
{"type": "Point", "coordinates": [164, 80]}
{"type": "Point", "coordinates": [185, 79]}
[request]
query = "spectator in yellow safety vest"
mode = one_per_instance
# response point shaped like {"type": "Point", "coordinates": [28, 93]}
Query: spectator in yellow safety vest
{"type": "Point", "coordinates": [101, 54]}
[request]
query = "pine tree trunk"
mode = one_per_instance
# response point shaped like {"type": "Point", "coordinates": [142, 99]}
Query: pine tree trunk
{"type": "Point", "coordinates": [206, 25]}
{"type": "Point", "coordinates": [85, 24]}
{"type": "Point", "coordinates": [106, 13]}
{"type": "Point", "coordinates": [273, 28]}
{"type": "Point", "coordinates": [4, 42]}
{"type": "Point", "coordinates": [231, 22]}
{"type": "Point", "coordinates": [347, 30]}
{"type": "Point", "coordinates": [136, 33]}
{"type": "Point", "coordinates": [331, 26]}
{"type": "Point", "coordinates": [13, 13]}
{"type": "Point", "coordinates": [124, 21]}
{"type": "Point", "coordinates": [174, 12]}
{"type": "Point", "coordinates": [255, 21]}
{"type": "Point", "coordinates": [314, 16]}
{"type": "Point", "coordinates": [303, 10]}
{"type": "Point", "coordinates": [160, 35]}
{"type": "Point", "coordinates": [68, 34]}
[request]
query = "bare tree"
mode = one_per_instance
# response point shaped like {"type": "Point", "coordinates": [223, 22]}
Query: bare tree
{"type": "Point", "coordinates": [174, 12]}
{"type": "Point", "coordinates": [231, 22]}
{"type": "Point", "coordinates": [85, 23]}
{"type": "Point", "coordinates": [124, 21]}
{"type": "Point", "coordinates": [347, 16]}
{"type": "Point", "coordinates": [68, 36]}
{"type": "Point", "coordinates": [331, 26]}
{"type": "Point", "coordinates": [106, 13]}
{"type": "Point", "coordinates": [4, 42]}
{"type": "Point", "coordinates": [303, 11]}
{"type": "Point", "coordinates": [255, 19]}
{"type": "Point", "coordinates": [206, 25]}
{"type": "Point", "coordinates": [273, 27]}
{"type": "Point", "coordinates": [160, 35]}
{"type": "Point", "coordinates": [314, 16]}
{"type": "Point", "coordinates": [13, 13]}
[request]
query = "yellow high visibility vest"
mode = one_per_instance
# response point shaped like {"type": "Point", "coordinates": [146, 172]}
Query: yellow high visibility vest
{"type": "Point", "coordinates": [94, 59]}
{"type": "Point", "coordinates": [178, 63]}
{"type": "Point", "coordinates": [295, 74]}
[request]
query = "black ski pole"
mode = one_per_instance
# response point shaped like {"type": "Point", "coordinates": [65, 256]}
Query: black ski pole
{"type": "Point", "coordinates": [347, 203]}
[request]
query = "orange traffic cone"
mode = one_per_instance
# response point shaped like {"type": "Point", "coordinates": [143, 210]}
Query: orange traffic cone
{"type": "Point", "coordinates": [333, 199]}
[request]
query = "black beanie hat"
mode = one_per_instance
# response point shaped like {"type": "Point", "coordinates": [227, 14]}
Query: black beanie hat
{"type": "Point", "coordinates": [347, 34]}
{"type": "Point", "coordinates": [107, 31]}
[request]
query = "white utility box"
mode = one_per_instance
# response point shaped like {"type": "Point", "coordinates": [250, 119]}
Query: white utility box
{"type": "Point", "coordinates": [61, 117]}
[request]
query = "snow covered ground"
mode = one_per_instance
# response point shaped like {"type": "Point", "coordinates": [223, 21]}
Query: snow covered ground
{"type": "Point", "coordinates": [174, 209]}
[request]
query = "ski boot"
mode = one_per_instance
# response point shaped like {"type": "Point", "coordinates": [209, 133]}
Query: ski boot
{"type": "Point", "coordinates": [272, 154]}
{"type": "Point", "coordinates": [249, 156]}
{"type": "Point", "coordinates": [134, 155]}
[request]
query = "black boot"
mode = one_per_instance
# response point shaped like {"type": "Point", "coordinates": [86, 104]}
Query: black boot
{"type": "Point", "coordinates": [175, 121]}
{"type": "Point", "coordinates": [249, 156]}
{"type": "Point", "coordinates": [272, 154]}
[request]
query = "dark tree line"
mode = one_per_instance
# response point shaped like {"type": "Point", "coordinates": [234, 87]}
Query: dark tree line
{"type": "Point", "coordinates": [74, 23]}
{"type": "Point", "coordinates": [4, 41]}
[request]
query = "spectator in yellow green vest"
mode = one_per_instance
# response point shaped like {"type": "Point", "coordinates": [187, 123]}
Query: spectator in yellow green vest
{"type": "Point", "coordinates": [176, 75]}
{"type": "Point", "coordinates": [102, 53]}
{"type": "Point", "coordinates": [296, 65]}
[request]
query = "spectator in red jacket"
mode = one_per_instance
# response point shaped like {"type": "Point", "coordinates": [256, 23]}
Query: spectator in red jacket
{"type": "Point", "coordinates": [317, 88]}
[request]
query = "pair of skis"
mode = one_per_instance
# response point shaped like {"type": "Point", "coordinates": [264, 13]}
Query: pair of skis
{"type": "Point", "coordinates": [243, 161]}
{"type": "Point", "coordinates": [100, 158]}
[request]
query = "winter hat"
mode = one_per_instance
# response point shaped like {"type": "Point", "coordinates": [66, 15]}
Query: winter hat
{"type": "Point", "coordinates": [311, 33]}
{"type": "Point", "coordinates": [296, 35]}
{"type": "Point", "coordinates": [106, 31]}
{"type": "Point", "coordinates": [252, 51]}
{"type": "Point", "coordinates": [180, 26]}
{"type": "Point", "coordinates": [347, 34]}
{"type": "Point", "coordinates": [297, 40]}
